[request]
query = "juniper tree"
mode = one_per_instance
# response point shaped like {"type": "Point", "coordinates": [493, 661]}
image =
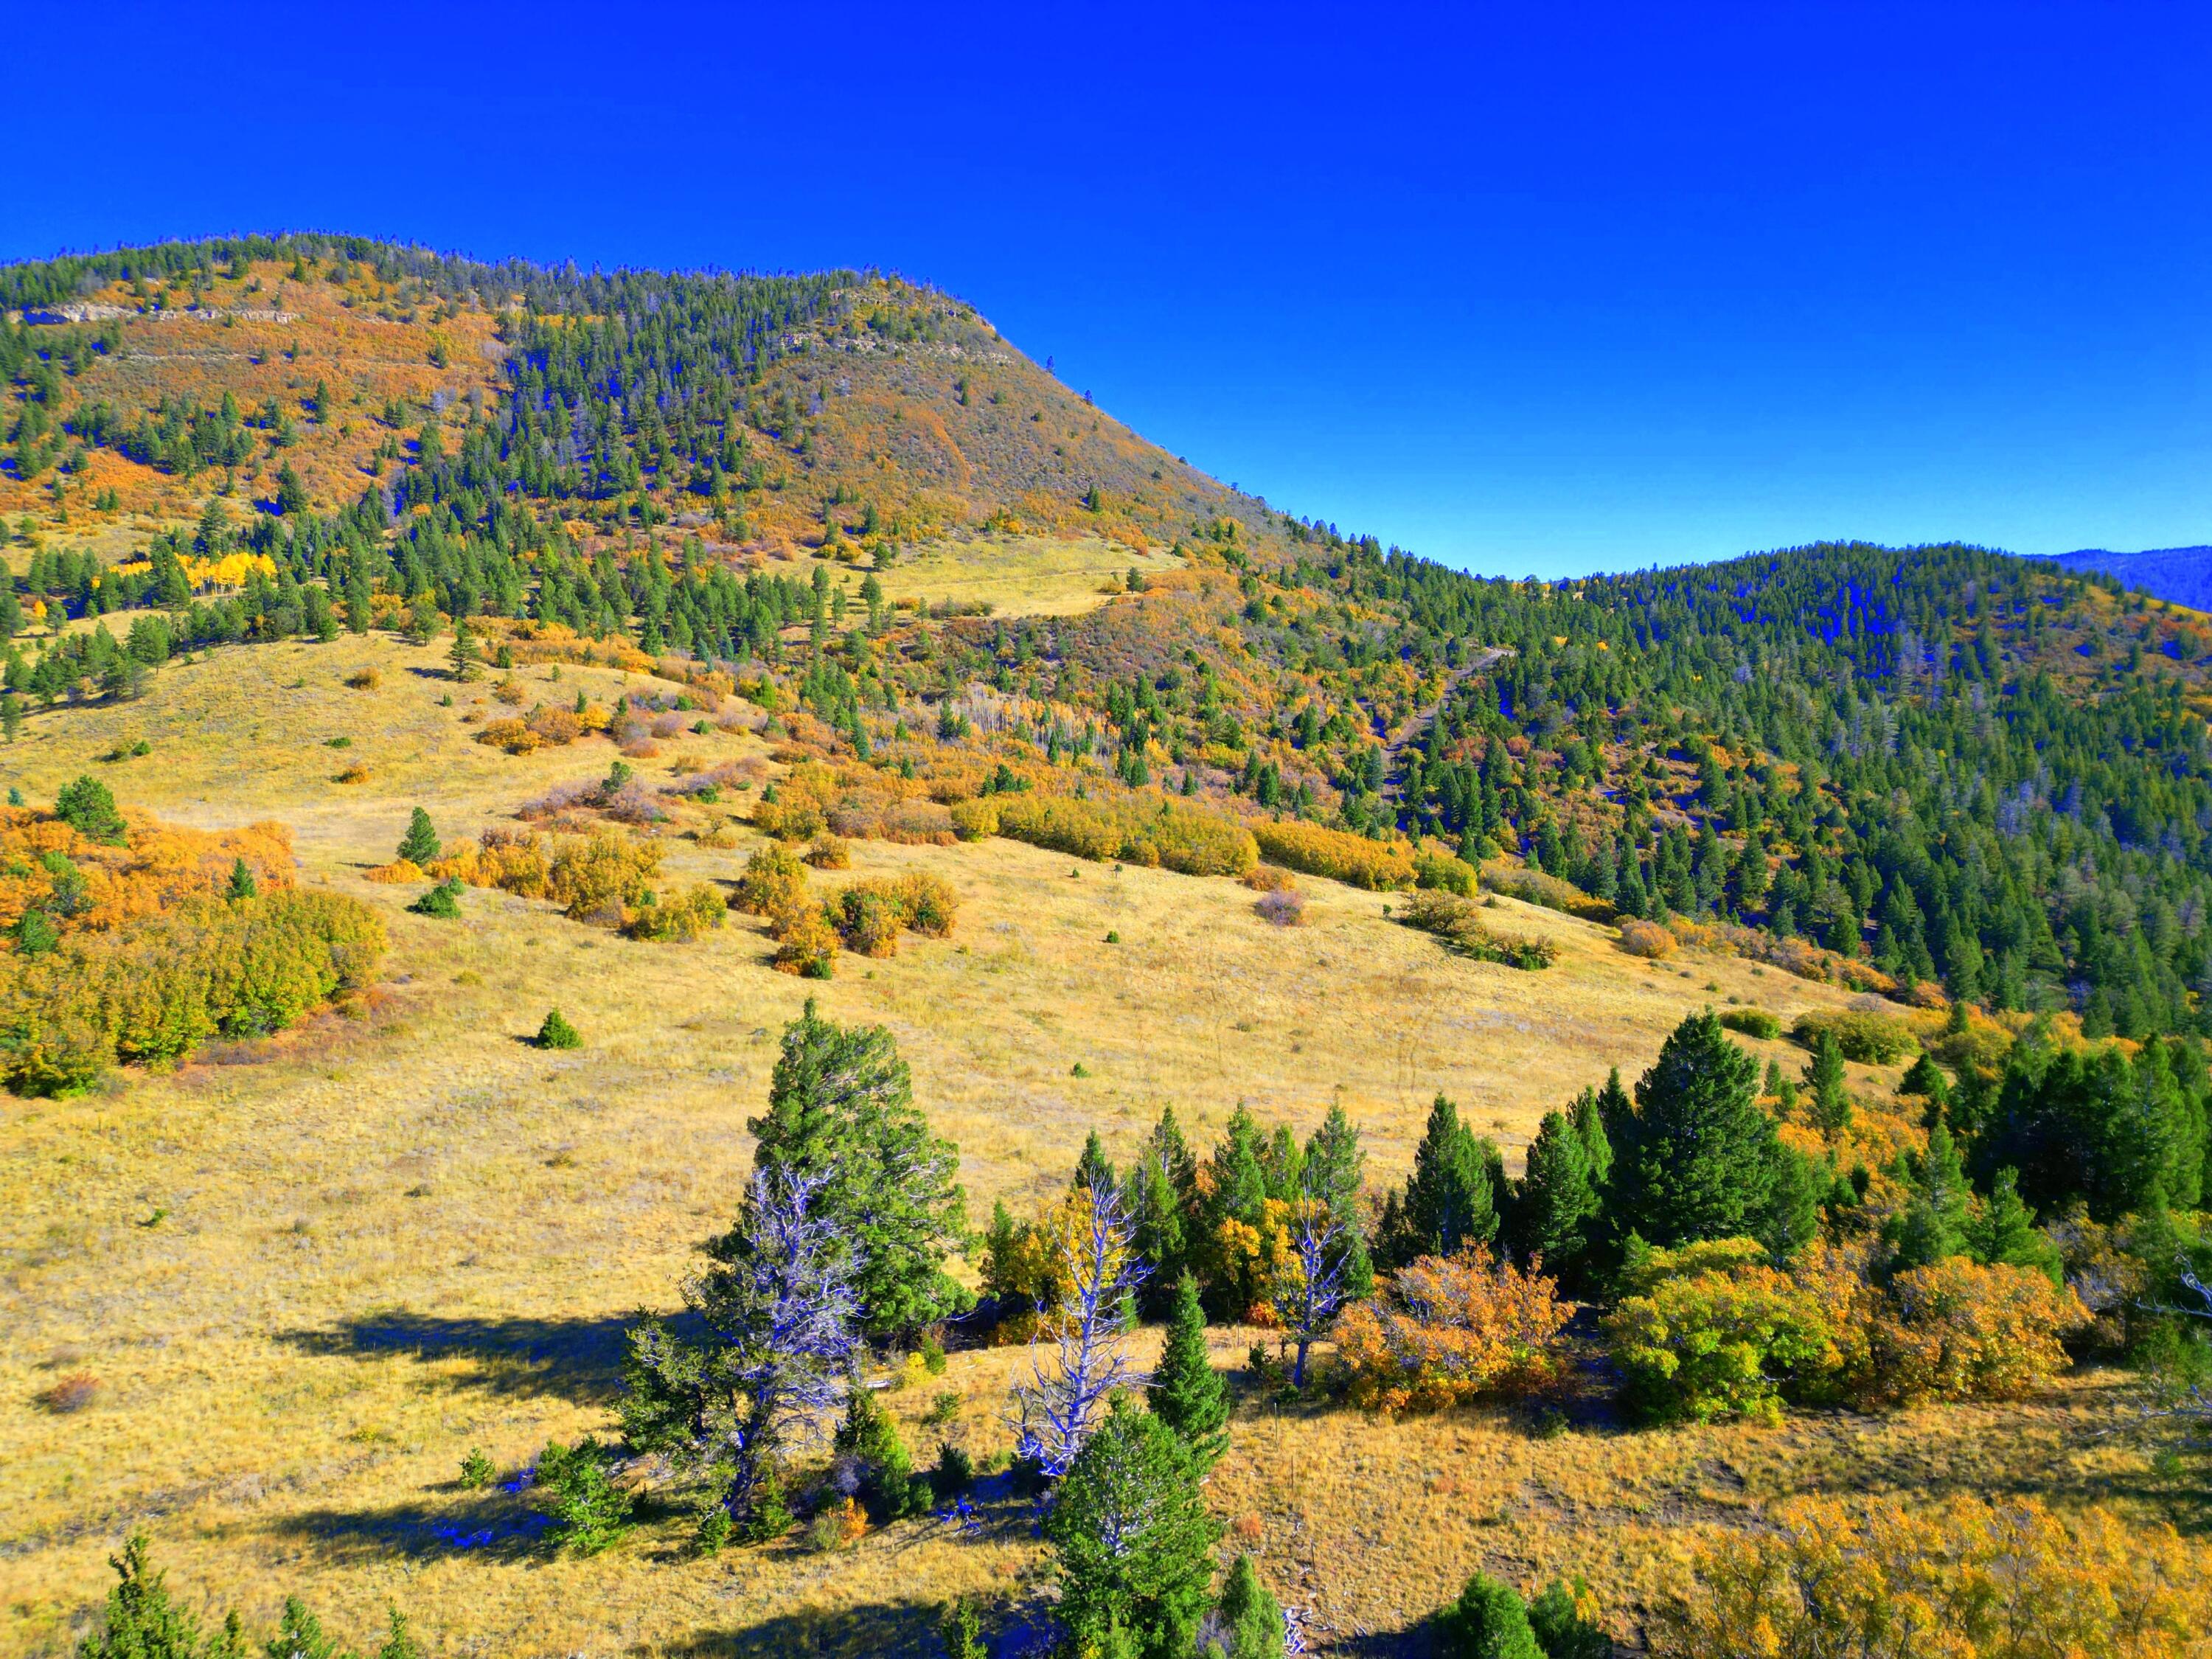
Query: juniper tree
{"type": "Point", "coordinates": [841, 1113]}
{"type": "Point", "coordinates": [1249, 1617]}
{"type": "Point", "coordinates": [87, 807]}
{"type": "Point", "coordinates": [1488, 1621]}
{"type": "Point", "coordinates": [1135, 1540]}
{"type": "Point", "coordinates": [1187, 1394]}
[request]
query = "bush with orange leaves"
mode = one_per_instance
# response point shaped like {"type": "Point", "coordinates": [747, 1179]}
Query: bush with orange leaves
{"type": "Point", "coordinates": [82, 885]}
{"type": "Point", "coordinates": [1450, 1328]}
{"type": "Point", "coordinates": [512, 860]}
{"type": "Point", "coordinates": [1957, 1330]}
{"type": "Point", "coordinates": [1955, 1579]}
{"type": "Point", "coordinates": [599, 877]}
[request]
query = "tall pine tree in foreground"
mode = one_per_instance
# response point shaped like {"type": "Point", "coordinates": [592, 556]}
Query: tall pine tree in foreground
{"type": "Point", "coordinates": [1451, 1198]}
{"type": "Point", "coordinates": [1556, 1204]}
{"type": "Point", "coordinates": [1697, 1157]}
{"type": "Point", "coordinates": [841, 1110]}
{"type": "Point", "coordinates": [1135, 1540]}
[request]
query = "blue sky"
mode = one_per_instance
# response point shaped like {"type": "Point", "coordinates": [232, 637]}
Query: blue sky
{"type": "Point", "coordinates": [1529, 289]}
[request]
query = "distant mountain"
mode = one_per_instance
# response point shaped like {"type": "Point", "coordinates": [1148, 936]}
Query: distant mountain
{"type": "Point", "coordinates": [2182, 575]}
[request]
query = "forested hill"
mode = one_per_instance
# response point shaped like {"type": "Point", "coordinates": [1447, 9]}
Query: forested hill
{"type": "Point", "coordinates": [1951, 765]}
{"type": "Point", "coordinates": [2183, 575]}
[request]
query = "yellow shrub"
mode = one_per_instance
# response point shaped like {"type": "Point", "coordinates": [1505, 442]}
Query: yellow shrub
{"type": "Point", "coordinates": [1379, 866]}
{"type": "Point", "coordinates": [774, 880]}
{"type": "Point", "coordinates": [974, 820]}
{"type": "Point", "coordinates": [399, 872]}
{"type": "Point", "coordinates": [1647, 939]}
{"type": "Point", "coordinates": [808, 945]}
{"type": "Point", "coordinates": [1447, 1329]}
{"type": "Point", "coordinates": [928, 904]}
{"type": "Point", "coordinates": [699, 908]}
{"type": "Point", "coordinates": [830, 852]}
{"type": "Point", "coordinates": [1872, 1039]}
{"type": "Point", "coordinates": [1139, 830]}
{"type": "Point", "coordinates": [1957, 1330]}
{"type": "Point", "coordinates": [1951, 1578]}
{"type": "Point", "coordinates": [601, 876]}
{"type": "Point", "coordinates": [513, 735]}
{"type": "Point", "coordinates": [866, 920]}
{"type": "Point", "coordinates": [555, 726]}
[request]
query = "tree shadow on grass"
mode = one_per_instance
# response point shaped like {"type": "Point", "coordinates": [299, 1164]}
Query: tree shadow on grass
{"type": "Point", "coordinates": [907, 1629]}
{"type": "Point", "coordinates": [578, 1359]}
{"type": "Point", "coordinates": [496, 1526]}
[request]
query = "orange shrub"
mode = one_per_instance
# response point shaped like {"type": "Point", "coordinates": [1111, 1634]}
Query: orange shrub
{"type": "Point", "coordinates": [830, 852]}
{"type": "Point", "coordinates": [807, 945]}
{"type": "Point", "coordinates": [1957, 1330]}
{"type": "Point", "coordinates": [1647, 939]}
{"type": "Point", "coordinates": [515, 736]}
{"type": "Point", "coordinates": [512, 860]}
{"type": "Point", "coordinates": [1952, 1578]}
{"type": "Point", "coordinates": [600, 877]}
{"type": "Point", "coordinates": [1447, 1329]}
{"type": "Point", "coordinates": [1379, 866]}
{"type": "Point", "coordinates": [90, 886]}
{"type": "Point", "coordinates": [555, 726]}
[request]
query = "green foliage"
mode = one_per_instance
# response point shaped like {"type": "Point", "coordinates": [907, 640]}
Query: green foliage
{"type": "Point", "coordinates": [442, 902]}
{"type": "Point", "coordinates": [1870, 1039]}
{"type": "Point", "coordinates": [1556, 1203]}
{"type": "Point", "coordinates": [141, 1622]}
{"type": "Point", "coordinates": [1251, 1618]}
{"type": "Point", "coordinates": [1488, 1621]}
{"type": "Point", "coordinates": [477, 1470]}
{"type": "Point", "coordinates": [1697, 1159]}
{"type": "Point", "coordinates": [87, 807]}
{"type": "Point", "coordinates": [2003, 1231]}
{"type": "Point", "coordinates": [1830, 1104]}
{"type": "Point", "coordinates": [1556, 1620]}
{"type": "Point", "coordinates": [1751, 1023]}
{"type": "Point", "coordinates": [1133, 1539]}
{"type": "Point", "coordinates": [871, 1439]}
{"type": "Point", "coordinates": [841, 1106]}
{"type": "Point", "coordinates": [2116, 1131]}
{"type": "Point", "coordinates": [420, 844]}
{"type": "Point", "coordinates": [1451, 1198]}
{"type": "Point", "coordinates": [1710, 1330]}
{"type": "Point", "coordinates": [242, 885]}
{"type": "Point", "coordinates": [1934, 1225]}
{"type": "Point", "coordinates": [1187, 1394]}
{"type": "Point", "coordinates": [960, 1629]}
{"type": "Point", "coordinates": [554, 1031]}
{"type": "Point", "coordinates": [590, 1512]}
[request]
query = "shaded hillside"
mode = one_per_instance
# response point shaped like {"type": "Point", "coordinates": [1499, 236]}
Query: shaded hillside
{"type": "Point", "coordinates": [2182, 575]}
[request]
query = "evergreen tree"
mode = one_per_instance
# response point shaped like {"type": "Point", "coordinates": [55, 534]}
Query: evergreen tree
{"type": "Point", "coordinates": [87, 807]}
{"type": "Point", "coordinates": [841, 1106]}
{"type": "Point", "coordinates": [1334, 1164]}
{"type": "Point", "coordinates": [556, 1032]}
{"type": "Point", "coordinates": [242, 885]}
{"type": "Point", "coordinates": [420, 844]}
{"type": "Point", "coordinates": [1557, 1203]}
{"type": "Point", "coordinates": [1556, 1621]}
{"type": "Point", "coordinates": [871, 1439]}
{"type": "Point", "coordinates": [1135, 1543]}
{"type": "Point", "coordinates": [1831, 1105]}
{"type": "Point", "coordinates": [1250, 1616]}
{"type": "Point", "coordinates": [1164, 1209]}
{"type": "Point", "coordinates": [2003, 1231]}
{"type": "Point", "coordinates": [1450, 1199]}
{"type": "Point", "coordinates": [141, 1622]}
{"type": "Point", "coordinates": [462, 661]}
{"type": "Point", "coordinates": [1093, 1169]}
{"type": "Point", "coordinates": [960, 1629]}
{"type": "Point", "coordinates": [1488, 1621]}
{"type": "Point", "coordinates": [1187, 1394]}
{"type": "Point", "coordinates": [1593, 1113]}
{"type": "Point", "coordinates": [1697, 1159]}
{"type": "Point", "coordinates": [1933, 1226]}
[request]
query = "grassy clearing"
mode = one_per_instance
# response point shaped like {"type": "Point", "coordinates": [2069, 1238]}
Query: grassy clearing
{"type": "Point", "coordinates": [310, 1275]}
{"type": "Point", "coordinates": [1020, 575]}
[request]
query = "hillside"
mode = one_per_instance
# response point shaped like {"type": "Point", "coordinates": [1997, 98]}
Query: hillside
{"type": "Point", "coordinates": [2180, 575]}
{"type": "Point", "coordinates": [400, 647]}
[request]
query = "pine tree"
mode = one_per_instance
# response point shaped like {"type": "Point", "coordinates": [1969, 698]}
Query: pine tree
{"type": "Point", "coordinates": [2003, 1231]}
{"type": "Point", "coordinates": [1697, 1159]}
{"type": "Point", "coordinates": [87, 807]}
{"type": "Point", "coordinates": [1094, 1168]}
{"type": "Point", "coordinates": [870, 1438]}
{"type": "Point", "coordinates": [420, 844]}
{"type": "Point", "coordinates": [1556, 1621]}
{"type": "Point", "coordinates": [1334, 1166]}
{"type": "Point", "coordinates": [141, 1622]}
{"type": "Point", "coordinates": [1187, 1394]}
{"type": "Point", "coordinates": [462, 660]}
{"type": "Point", "coordinates": [1593, 1113]}
{"type": "Point", "coordinates": [1451, 1198]}
{"type": "Point", "coordinates": [1557, 1203]}
{"type": "Point", "coordinates": [841, 1106]}
{"type": "Point", "coordinates": [1251, 1617]}
{"type": "Point", "coordinates": [1135, 1543]}
{"type": "Point", "coordinates": [556, 1032]}
{"type": "Point", "coordinates": [242, 885]}
{"type": "Point", "coordinates": [1831, 1106]}
{"type": "Point", "coordinates": [960, 1629]}
{"type": "Point", "coordinates": [1933, 1226]}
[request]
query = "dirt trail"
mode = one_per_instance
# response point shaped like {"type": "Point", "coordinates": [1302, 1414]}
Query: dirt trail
{"type": "Point", "coordinates": [1418, 722]}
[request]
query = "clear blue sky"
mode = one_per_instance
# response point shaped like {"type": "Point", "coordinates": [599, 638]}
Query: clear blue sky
{"type": "Point", "coordinates": [1528, 289]}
